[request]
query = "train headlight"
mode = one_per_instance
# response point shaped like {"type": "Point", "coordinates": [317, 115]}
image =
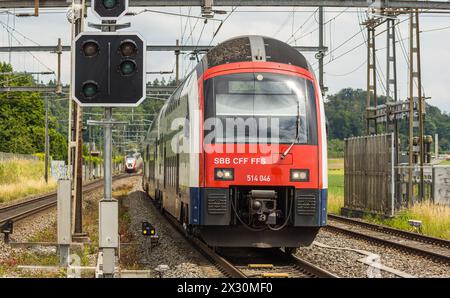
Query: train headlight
{"type": "Point", "coordinates": [299, 175]}
{"type": "Point", "coordinates": [224, 174]}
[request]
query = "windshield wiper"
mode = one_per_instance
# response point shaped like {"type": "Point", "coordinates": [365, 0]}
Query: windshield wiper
{"type": "Point", "coordinates": [297, 136]}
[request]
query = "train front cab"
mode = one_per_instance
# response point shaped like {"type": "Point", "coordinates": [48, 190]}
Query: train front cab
{"type": "Point", "coordinates": [259, 189]}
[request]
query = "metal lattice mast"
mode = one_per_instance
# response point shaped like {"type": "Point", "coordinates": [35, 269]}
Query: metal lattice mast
{"type": "Point", "coordinates": [371, 101]}
{"type": "Point", "coordinates": [416, 109]}
{"type": "Point", "coordinates": [391, 63]}
{"type": "Point", "coordinates": [392, 95]}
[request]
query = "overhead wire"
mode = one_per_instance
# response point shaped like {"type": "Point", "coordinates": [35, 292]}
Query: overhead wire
{"type": "Point", "coordinates": [18, 32]}
{"type": "Point", "coordinates": [435, 29]}
{"type": "Point", "coordinates": [173, 14]}
{"type": "Point", "coordinates": [316, 29]}
{"type": "Point", "coordinates": [404, 51]}
{"type": "Point", "coordinates": [348, 73]}
{"type": "Point", "coordinates": [282, 25]}
{"type": "Point", "coordinates": [355, 47]}
{"type": "Point", "coordinates": [365, 38]}
{"type": "Point", "coordinates": [234, 8]}
{"type": "Point", "coordinates": [200, 36]}
{"type": "Point", "coordinates": [18, 41]}
{"type": "Point", "coordinates": [301, 26]}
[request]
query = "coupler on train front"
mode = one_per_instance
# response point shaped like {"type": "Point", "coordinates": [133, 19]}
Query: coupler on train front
{"type": "Point", "coordinates": [245, 216]}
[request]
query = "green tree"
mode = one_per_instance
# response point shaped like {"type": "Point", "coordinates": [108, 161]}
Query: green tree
{"type": "Point", "coordinates": [22, 119]}
{"type": "Point", "coordinates": [345, 112]}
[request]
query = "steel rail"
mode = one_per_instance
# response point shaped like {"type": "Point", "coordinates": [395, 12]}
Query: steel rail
{"type": "Point", "coordinates": [221, 263]}
{"type": "Point", "coordinates": [312, 269]}
{"type": "Point", "coordinates": [393, 231]}
{"type": "Point", "coordinates": [274, 263]}
{"type": "Point", "coordinates": [386, 242]}
{"type": "Point", "coordinates": [230, 270]}
{"type": "Point", "coordinates": [25, 209]}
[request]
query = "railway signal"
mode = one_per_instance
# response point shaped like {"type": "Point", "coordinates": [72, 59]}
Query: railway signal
{"type": "Point", "coordinates": [109, 69]}
{"type": "Point", "coordinates": [7, 228]}
{"type": "Point", "coordinates": [109, 10]}
{"type": "Point", "coordinates": [148, 229]}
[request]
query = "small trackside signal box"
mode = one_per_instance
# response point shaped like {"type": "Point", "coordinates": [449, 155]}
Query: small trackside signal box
{"type": "Point", "coordinates": [148, 229]}
{"type": "Point", "coordinates": [109, 69]}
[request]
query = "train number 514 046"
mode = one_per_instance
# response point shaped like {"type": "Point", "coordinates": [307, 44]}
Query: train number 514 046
{"type": "Point", "coordinates": [258, 178]}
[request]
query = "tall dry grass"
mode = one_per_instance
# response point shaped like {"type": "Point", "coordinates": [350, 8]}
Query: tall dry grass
{"type": "Point", "coordinates": [20, 178]}
{"type": "Point", "coordinates": [435, 218]}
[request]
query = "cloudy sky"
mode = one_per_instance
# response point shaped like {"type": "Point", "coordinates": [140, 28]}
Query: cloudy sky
{"type": "Point", "coordinates": [344, 64]}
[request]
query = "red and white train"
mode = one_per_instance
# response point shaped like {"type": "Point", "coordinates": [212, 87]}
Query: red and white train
{"type": "Point", "coordinates": [238, 152]}
{"type": "Point", "coordinates": [133, 163]}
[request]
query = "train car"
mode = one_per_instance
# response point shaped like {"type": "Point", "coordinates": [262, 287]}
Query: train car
{"type": "Point", "coordinates": [133, 163]}
{"type": "Point", "coordinates": [231, 183]}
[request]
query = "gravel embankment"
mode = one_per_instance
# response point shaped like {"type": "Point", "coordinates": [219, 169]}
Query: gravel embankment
{"type": "Point", "coordinates": [24, 230]}
{"type": "Point", "coordinates": [345, 262]}
{"type": "Point", "coordinates": [334, 252]}
{"type": "Point", "coordinates": [172, 250]}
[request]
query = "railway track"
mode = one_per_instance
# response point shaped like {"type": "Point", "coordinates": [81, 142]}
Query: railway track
{"type": "Point", "coordinates": [257, 263]}
{"type": "Point", "coordinates": [430, 247]}
{"type": "Point", "coordinates": [270, 262]}
{"type": "Point", "coordinates": [40, 203]}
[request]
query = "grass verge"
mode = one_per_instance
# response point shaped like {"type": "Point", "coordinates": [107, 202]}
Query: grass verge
{"type": "Point", "coordinates": [335, 185]}
{"type": "Point", "coordinates": [445, 162]}
{"type": "Point", "coordinates": [87, 253]}
{"type": "Point", "coordinates": [435, 218]}
{"type": "Point", "coordinates": [20, 178]}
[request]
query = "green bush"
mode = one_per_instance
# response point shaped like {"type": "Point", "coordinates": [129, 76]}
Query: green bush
{"type": "Point", "coordinates": [12, 171]}
{"type": "Point", "coordinates": [40, 155]}
{"type": "Point", "coordinates": [118, 159]}
{"type": "Point", "coordinates": [335, 148]}
{"type": "Point", "coordinates": [94, 159]}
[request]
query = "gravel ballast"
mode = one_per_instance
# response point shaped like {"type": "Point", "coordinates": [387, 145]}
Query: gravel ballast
{"type": "Point", "coordinates": [345, 262]}
{"type": "Point", "coordinates": [26, 229]}
{"type": "Point", "coordinates": [172, 249]}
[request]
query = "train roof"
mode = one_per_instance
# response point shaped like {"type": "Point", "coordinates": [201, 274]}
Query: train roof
{"type": "Point", "coordinates": [252, 48]}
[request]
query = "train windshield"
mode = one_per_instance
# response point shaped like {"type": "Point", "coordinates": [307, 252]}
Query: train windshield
{"type": "Point", "coordinates": [260, 107]}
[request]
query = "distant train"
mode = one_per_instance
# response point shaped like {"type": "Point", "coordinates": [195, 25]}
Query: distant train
{"type": "Point", "coordinates": [231, 183]}
{"type": "Point", "coordinates": [133, 163]}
